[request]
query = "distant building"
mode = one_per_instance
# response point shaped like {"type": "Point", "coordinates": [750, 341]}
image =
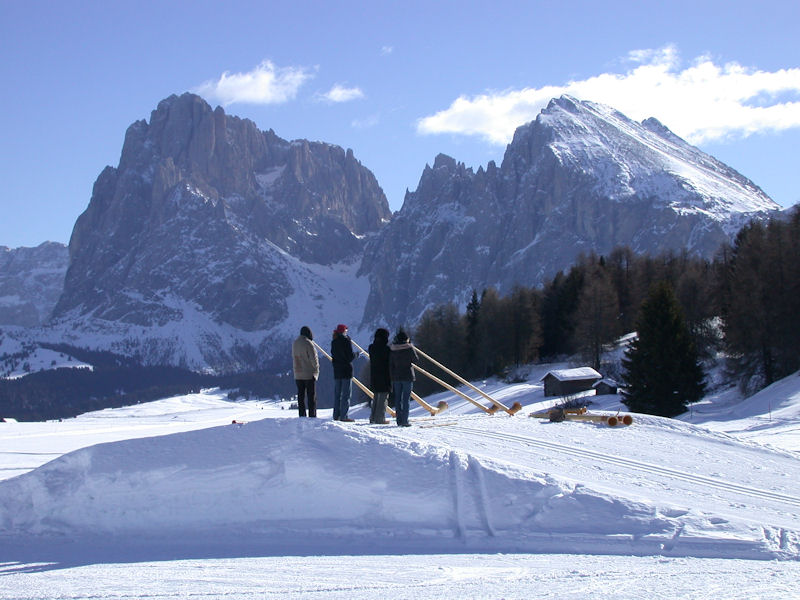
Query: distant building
{"type": "Point", "coordinates": [563, 382]}
{"type": "Point", "coordinates": [606, 387]}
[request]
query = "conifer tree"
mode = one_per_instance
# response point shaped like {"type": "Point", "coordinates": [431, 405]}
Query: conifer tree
{"type": "Point", "coordinates": [526, 326]}
{"type": "Point", "coordinates": [759, 285]}
{"type": "Point", "coordinates": [471, 326]}
{"type": "Point", "coordinates": [662, 371]}
{"type": "Point", "coordinates": [494, 329]}
{"type": "Point", "coordinates": [559, 304]}
{"type": "Point", "coordinates": [440, 334]}
{"type": "Point", "coordinates": [596, 320]}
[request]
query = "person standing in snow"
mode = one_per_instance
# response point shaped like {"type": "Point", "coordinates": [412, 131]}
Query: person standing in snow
{"type": "Point", "coordinates": [379, 379]}
{"type": "Point", "coordinates": [305, 363]}
{"type": "Point", "coordinates": [343, 356]}
{"type": "Point", "coordinates": [401, 358]}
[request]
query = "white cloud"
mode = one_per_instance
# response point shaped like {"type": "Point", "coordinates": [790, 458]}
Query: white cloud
{"type": "Point", "coordinates": [339, 93]}
{"type": "Point", "coordinates": [701, 102]}
{"type": "Point", "coordinates": [386, 50]}
{"type": "Point", "coordinates": [266, 84]}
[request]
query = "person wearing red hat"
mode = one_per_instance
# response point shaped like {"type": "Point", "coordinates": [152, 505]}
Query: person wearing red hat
{"type": "Point", "coordinates": [343, 356]}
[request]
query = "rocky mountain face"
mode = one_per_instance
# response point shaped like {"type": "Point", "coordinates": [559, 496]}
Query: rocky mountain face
{"type": "Point", "coordinates": [207, 228]}
{"type": "Point", "coordinates": [212, 242]}
{"type": "Point", "coordinates": [31, 280]}
{"type": "Point", "coordinates": [581, 177]}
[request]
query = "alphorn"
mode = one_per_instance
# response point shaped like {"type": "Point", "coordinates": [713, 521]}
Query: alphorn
{"type": "Point", "coordinates": [441, 406]}
{"type": "Point", "coordinates": [360, 385]}
{"type": "Point", "coordinates": [497, 404]}
{"type": "Point", "coordinates": [610, 420]}
{"type": "Point", "coordinates": [452, 389]}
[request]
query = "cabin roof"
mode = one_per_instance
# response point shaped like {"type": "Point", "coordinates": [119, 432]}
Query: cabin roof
{"type": "Point", "coordinates": [576, 374]}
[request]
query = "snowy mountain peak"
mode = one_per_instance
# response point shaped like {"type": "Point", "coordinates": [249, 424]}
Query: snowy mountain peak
{"type": "Point", "coordinates": [581, 177]}
{"type": "Point", "coordinates": [629, 159]}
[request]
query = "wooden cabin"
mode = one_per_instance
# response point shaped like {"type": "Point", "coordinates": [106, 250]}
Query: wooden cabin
{"type": "Point", "coordinates": [563, 382]}
{"type": "Point", "coordinates": [606, 387]}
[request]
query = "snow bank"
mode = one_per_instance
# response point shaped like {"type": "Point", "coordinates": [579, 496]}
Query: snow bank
{"type": "Point", "coordinates": [298, 485]}
{"type": "Point", "coordinates": [301, 474]}
{"type": "Point", "coordinates": [721, 486]}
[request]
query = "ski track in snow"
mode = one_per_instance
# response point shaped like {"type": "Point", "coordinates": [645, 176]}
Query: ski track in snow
{"type": "Point", "coordinates": [652, 469]}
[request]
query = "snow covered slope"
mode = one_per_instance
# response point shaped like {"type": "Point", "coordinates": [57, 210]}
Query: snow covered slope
{"type": "Point", "coordinates": [770, 417]}
{"type": "Point", "coordinates": [213, 490]}
{"type": "Point", "coordinates": [648, 160]}
{"type": "Point", "coordinates": [459, 481]}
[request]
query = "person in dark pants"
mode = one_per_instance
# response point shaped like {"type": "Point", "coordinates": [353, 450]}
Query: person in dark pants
{"type": "Point", "coordinates": [343, 356]}
{"type": "Point", "coordinates": [401, 358]}
{"type": "Point", "coordinates": [379, 379]}
{"type": "Point", "coordinates": [305, 363]}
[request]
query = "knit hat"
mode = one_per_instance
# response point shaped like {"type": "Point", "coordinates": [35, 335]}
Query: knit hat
{"type": "Point", "coordinates": [341, 328]}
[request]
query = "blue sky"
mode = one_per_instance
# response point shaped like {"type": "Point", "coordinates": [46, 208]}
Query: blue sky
{"type": "Point", "coordinates": [398, 82]}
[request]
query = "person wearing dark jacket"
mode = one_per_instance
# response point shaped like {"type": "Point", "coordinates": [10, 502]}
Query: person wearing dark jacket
{"type": "Point", "coordinates": [379, 380]}
{"type": "Point", "coordinates": [401, 359]}
{"type": "Point", "coordinates": [305, 363]}
{"type": "Point", "coordinates": [343, 356]}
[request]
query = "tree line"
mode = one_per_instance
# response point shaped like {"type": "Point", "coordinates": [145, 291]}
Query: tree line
{"type": "Point", "coordinates": [115, 381]}
{"type": "Point", "coordinates": [745, 303]}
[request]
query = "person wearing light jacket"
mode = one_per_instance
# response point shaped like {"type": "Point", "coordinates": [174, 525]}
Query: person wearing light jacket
{"type": "Point", "coordinates": [305, 364]}
{"type": "Point", "coordinates": [401, 359]}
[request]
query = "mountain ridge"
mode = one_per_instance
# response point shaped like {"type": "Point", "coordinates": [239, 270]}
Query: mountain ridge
{"type": "Point", "coordinates": [581, 177]}
{"type": "Point", "coordinates": [202, 223]}
{"type": "Point", "coordinates": [211, 242]}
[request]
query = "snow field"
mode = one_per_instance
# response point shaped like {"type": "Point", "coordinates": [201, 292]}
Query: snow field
{"type": "Point", "coordinates": [460, 505]}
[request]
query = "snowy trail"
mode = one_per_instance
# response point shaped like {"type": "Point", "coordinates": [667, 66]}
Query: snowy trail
{"type": "Point", "coordinates": [722, 477]}
{"type": "Point", "coordinates": [628, 463]}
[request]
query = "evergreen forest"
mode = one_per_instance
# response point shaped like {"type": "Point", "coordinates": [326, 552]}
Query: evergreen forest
{"type": "Point", "coordinates": [743, 305]}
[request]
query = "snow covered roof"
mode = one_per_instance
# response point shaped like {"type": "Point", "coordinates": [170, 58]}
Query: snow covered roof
{"type": "Point", "coordinates": [574, 374]}
{"type": "Point", "coordinates": [607, 381]}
